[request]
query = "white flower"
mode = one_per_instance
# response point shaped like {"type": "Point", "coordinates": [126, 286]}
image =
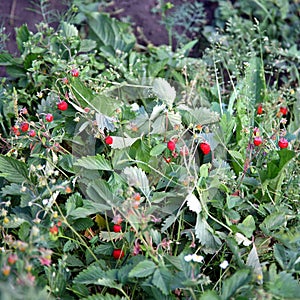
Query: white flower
{"type": "Point", "coordinates": [224, 264]}
{"type": "Point", "coordinates": [194, 257]}
{"type": "Point", "coordinates": [188, 258]}
{"type": "Point", "coordinates": [198, 258]}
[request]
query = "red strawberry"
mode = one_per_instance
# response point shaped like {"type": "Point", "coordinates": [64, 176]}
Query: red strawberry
{"type": "Point", "coordinates": [49, 117]}
{"type": "Point", "coordinates": [32, 133]}
{"type": "Point", "coordinates": [205, 148]}
{"type": "Point", "coordinates": [62, 105]}
{"type": "Point", "coordinates": [259, 109]}
{"type": "Point", "coordinates": [171, 145]}
{"type": "Point", "coordinates": [74, 72]}
{"type": "Point", "coordinates": [16, 130]}
{"type": "Point", "coordinates": [118, 253]}
{"type": "Point", "coordinates": [24, 127]}
{"type": "Point", "coordinates": [117, 228]}
{"type": "Point", "coordinates": [108, 140]}
{"type": "Point", "coordinates": [257, 141]}
{"type": "Point", "coordinates": [12, 259]}
{"type": "Point", "coordinates": [283, 143]}
{"type": "Point", "coordinates": [284, 110]}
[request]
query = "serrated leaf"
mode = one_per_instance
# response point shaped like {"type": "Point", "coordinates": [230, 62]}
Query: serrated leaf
{"type": "Point", "coordinates": [90, 275]}
{"type": "Point", "coordinates": [284, 285]}
{"type": "Point", "coordinates": [143, 269]}
{"type": "Point", "coordinates": [201, 115]}
{"type": "Point", "coordinates": [236, 281]}
{"type": "Point", "coordinates": [247, 226]}
{"type": "Point", "coordinates": [81, 224]}
{"type": "Point", "coordinates": [105, 122]}
{"type": "Point", "coordinates": [254, 263]}
{"type": "Point", "coordinates": [110, 236]}
{"type": "Point", "coordinates": [164, 91]}
{"type": "Point", "coordinates": [69, 30]}
{"type": "Point", "coordinates": [137, 178]}
{"type": "Point", "coordinates": [87, 45]}
{"type": "Point", "coordinates": [97, 162]}
{"type": "Point", "coordinates": [162, 279]}
{"type": "Point", "coordinates": [158, 149]}
{"type": "Point", "coordinates": [205, 235]}
{"type": "Point", "coordinates": [22, 36]}
{"type": "Point", "coordinates": [273, 222]}
{"type": "Point", "coordinates": [236, 155]}
{"type": "Point", "coordinates": [193, 203]}
{"type": "Point", "coordinates": [122, 142]}
{"type": "Point", "coordinates": [13, 170]}
{"type": "Point", "coordinates": [157, 109]}
{"type": "Point", "coordinates": [104, 297]}
{"type": "Point", "coordinates": [210, 295]}
{"type": "Point", "coordinates": [169, 221]}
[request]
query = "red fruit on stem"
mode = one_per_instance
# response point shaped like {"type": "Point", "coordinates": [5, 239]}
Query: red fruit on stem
{"type": "Point", "coordinates": [74, 72]}
{"type": "Point", "coordinates": [16, 130]}
{"type": "Point", "coordinates": [62, 105]}
{"type": "Point", "coordinates": [12, 259]}
{"type": "Point", "coordinates": [284, 110]}
{"type": "Point", "coordinates": [171, 145]}
{"type": "Point", "coordinates": [205, 148]}
{"type": "Point", "coordinates": [117, 228]}
{"type": "Point", "coordinates": [257, 141]}
{"type": "Point", "coordinates": [283, 143]}
{"type": "Point", "coordinates": [49, 117]}
{"type": "Point", "coordinates": [118, 253]}
{"type": "Point", "coordinates": [259, 109]}
{"type": "Point", "coordinates": [31, 133]}
{"type": "Point", "coordinates": [24, 127]}
{"type": "Point", "coordinates": [108, 140]}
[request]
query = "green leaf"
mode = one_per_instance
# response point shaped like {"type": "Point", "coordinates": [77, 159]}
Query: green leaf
{"type": "Point", "coordinates": [68, 30]}
{"type": "Point", "coordinates": [104, 297]}
{"type": "Point", "coordinates": [97, 162]}
{"type": "Point", "coordinates": [110, 32]}
{"type": "Point", "coordinates": [137, 178]}
{"type": "Point", "coordinates": [164, 91]}
{"type": "Point", "coordinates": [284, 285]}
{"type": "Point", "coordinates": [254, 263]}
{"type": "Point", "coordinates": [158, 149]}
{"type": "Point", "coordinates": [13, 170]}
{"type": "Point", "coordinates": [162, 279]}
{"type": "Point", "coordinates": [122, 142]}
{"type": "Point", "coordinates": [22, 36]}
{"type": "Point", "coordinates": [82, 224]}
{"type": "Point", "coordinates": [248, 226]}
{"type": "Point", "coordinates": [90, 275]}
{"type": "Point", "coordinates": [255, 83]}
{"type": "Point", "coordinates": [236, 281]}
{"type": "Point", "coordinates": [205, 235]}
{"type": "Point", "coordinates": [273, 222]}
{"type": "Point", "coordinates": [143, 269]}
{"type": "Point", "coordinates": [87, 45]}
{"type": "Point", "coordinates": [210, 295]}
{"type": "Point", "coordinates": [236, 155]}
{"type": "Point", "coordinates": [201, 115]}
{"type": "Point", "coordinates": [99, 191]}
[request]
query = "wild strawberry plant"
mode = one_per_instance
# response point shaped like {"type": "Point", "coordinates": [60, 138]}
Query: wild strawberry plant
{"type": "Point", "coordinates": [130, 175]}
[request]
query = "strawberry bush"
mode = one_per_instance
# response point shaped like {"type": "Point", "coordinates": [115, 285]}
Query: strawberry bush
{"type": "Point", "coordinates": [144, 173]}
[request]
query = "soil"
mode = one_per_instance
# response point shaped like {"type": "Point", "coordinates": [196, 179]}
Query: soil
{"type": "Point", "coordinates": [146, 24]}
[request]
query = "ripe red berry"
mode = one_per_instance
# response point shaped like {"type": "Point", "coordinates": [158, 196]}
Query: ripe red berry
{"type": "Point", "coordinates": [137, 196]}
{"type": "Point", "coordinates": [16, 130]}
{"type": "Point", "coordinates": [54, 230]}
{"type": "Point", "coordinates": [32, 133]}
{"type": "Point", "coordinates": [118, 253]}
{"type": "Point", "coordinates": [205, 148]}
{"type": "Point", "coordinates": [257, 141]}
{"type": "Point", "coordinates": [283, 143]}
{"type": "Point", "coordinates": [171, 145]}
{"type": "Point", "coordinates": [49, 117]}
{"type": "Point", "coordinates": [108, 140]}
{"type": "Point", "coordinates": [284, 110]}
{"type": "Point", "coordinates": [117, 228]}
{"type": "Point", "coordinates": [24, 127]}
{"type": "Point", "coordinates": [259, 109]}
{"type": "Point", "coordinates": [62, 105]}
{"type": "Point", "coordinates": [74, 72]}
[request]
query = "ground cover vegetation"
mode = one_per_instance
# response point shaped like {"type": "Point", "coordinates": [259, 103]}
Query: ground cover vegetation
{"type": "Point", "coordinates": [140, 172]}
